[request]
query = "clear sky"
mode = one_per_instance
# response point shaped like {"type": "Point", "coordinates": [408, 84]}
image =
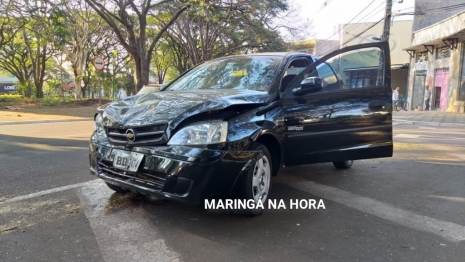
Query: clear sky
{"type": "Point", "coordinates": [326, 18]}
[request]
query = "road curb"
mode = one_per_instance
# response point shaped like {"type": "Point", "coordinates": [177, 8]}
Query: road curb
{"type": "Point", "coordinates": [44, 121]}
{"type": "Point", "coordinates": [424, 123]}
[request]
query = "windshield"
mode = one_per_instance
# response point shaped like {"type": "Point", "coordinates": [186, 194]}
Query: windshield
{"type": "Point", "coordinates": [238, 72]}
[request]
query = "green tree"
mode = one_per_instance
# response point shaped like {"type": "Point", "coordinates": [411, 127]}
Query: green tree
{"type": "Point", "coordinates": [224, 28]}
{"type": "Point", "coordinates": [14, 58]}
{"type": "Point", "coordinates": [88, 34]}
{"type": "Point", "coordinates": [9, 25]}
{"type": "Point", "coordinates": [128, 20]}
{"type": "Point", "coordinates": [162, 61]}
{"type": "Point", "coordinates": [43, 32]}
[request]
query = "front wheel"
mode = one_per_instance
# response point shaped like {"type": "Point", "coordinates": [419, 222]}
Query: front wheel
{"type": "Point", "coordinates": [257, 182]}
{"type": "Point", "coordinates": [343, 164]}
{"type": "Point", "coordinates": [406, 106]}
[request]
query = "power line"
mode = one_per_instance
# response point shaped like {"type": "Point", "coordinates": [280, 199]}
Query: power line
{"type": "Point", "coordinates": [373, 25]}
{"type": "Point", "coordinates": [351, 28]}
{"type": "Point", "coordinates": [448, 8]}
{"type": "Point", "coordinates": [324, 5]}
{"type": "Point", "coordinates": [359, 34]}
{"type": "Point", "coordinates": [405, 8]}
{"type": "Point", "coordinates": [338, 31]}
{"type": "Point", "coordinates": [459, 7]}
{"type": "Point", "coordinates": [373, 13]}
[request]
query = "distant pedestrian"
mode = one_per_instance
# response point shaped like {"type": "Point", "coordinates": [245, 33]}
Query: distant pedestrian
{"type": "Point", "coordinates": [427, 98]}
{"type": "Point", "coordinates": [395, 97]}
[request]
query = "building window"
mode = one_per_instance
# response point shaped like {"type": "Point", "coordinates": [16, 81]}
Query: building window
{"type": "Point", "coordinates": [362, 78]}
{"type": "Point", "coordinates": [421, 57]}
{"type": "Point", "coordinates": [442, 52]}
{"type": "Point", "coordinates": [462, 79]}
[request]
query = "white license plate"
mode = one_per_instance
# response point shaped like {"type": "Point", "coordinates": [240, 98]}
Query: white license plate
{"type": "Point", "coordinates": [126, 160]}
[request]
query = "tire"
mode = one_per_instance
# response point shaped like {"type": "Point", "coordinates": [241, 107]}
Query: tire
{"type": "Point", "coordinates": [406, 106]}
{"type": "Point", "coordinates": [117, 189]}
{"type": "Point", "coordinates": [256, 183]}
{"type": "Point", "coordinates": [343, 164]}
{"type": "Point", "coordinates": [398, 106]}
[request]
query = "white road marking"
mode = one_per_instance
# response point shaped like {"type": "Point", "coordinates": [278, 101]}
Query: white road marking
{"type": "Point", "coordinates": [42, 193]}
{"type": "Point", "coordinates": [427, 137]}
{"type": "Point", "coordinates": [450, 231]}
{"type": "Point", "coordinates": [125, 234]}
{"type": "Point", "coordinates": [442, 138]}
{"type": "Point", "coordinates": [424, 127]}
{"type": "Point", "coordinates": [442, 163]}
{"type": "Point", "coordinates": [407, 136]}
{"type": "Point", "coordinates": [448, 198]}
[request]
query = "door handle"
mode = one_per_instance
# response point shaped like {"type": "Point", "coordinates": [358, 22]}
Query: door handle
{"type": "Point", "coordinates": [310, 119]}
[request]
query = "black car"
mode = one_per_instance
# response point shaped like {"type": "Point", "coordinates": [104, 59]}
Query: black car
{"type": "Point", "coordinates": [224, 128]}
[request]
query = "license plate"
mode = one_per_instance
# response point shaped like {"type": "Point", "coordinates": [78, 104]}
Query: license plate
{"type": "Point", "coordinates": [126, 160]}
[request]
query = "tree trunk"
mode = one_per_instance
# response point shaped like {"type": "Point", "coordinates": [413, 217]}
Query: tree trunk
{"type": "Point", "coordinates": [39, 91]}
{"type": "Point", "coordinates": [134, 40]}
{"type": "Point", "coordinates": [78, 74]}
{"type": "Point", "coordinates": [39, 73]}
{"type": "Point", "coordinates": [77, 81]}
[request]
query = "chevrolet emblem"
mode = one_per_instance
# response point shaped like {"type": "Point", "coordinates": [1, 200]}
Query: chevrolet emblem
{"type": "Point", "coordinates": [130, 135]}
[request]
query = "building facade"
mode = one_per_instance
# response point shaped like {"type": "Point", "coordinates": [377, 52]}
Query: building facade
{"type": "Point", "coordinates": [437, 56]}
{"type": "Point", "coordinates": [399, 39]}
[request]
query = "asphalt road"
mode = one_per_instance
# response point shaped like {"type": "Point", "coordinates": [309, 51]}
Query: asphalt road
{"type": "Point", "coordinates": [407, 208]}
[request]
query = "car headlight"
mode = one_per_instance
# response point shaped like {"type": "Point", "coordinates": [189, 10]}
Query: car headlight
{"type": "Point", "coordinates": [201, 134]}
{"type": "Point", "coordinates": [98, 125]}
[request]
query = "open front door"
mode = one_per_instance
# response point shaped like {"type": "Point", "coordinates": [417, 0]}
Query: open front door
{"type": "Point", "coordinates": [340, 107]}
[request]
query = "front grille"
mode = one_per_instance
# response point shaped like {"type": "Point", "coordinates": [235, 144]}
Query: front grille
{"type": "Point", "coordinates": [153, 134]}
{"type": "Point", "coordinates": [153, 180]}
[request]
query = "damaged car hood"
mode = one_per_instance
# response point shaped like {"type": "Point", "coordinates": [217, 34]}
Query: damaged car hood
{"type": "Point", "coordinates": [172, 107]}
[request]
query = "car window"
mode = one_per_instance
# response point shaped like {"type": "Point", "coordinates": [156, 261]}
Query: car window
{"type": "Point", "coordinates": [296, 66]}
{"type": "Point", "coordinates": [361, 68]}
{"type": "Point", "coordinates": [329, 79]}
{"type": "Point", "coordinates": [237, 72]}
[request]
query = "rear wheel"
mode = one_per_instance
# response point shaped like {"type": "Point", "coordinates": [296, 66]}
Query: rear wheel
{"type": "Point", "coordinates": [343, 164]}
{"type": "Point", "coordinates": [398, 106]}
{"type": "Point", "coordinates": [117, 188]}
{"type": "Point", "coordinates": [257, 182]}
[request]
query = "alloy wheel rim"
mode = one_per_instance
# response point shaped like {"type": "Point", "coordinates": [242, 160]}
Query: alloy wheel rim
{"type": "Point", "coordinates": [261, 180]}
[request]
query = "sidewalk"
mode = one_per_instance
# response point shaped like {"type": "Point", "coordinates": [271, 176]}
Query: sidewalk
{"type": "Point", "coordinates": [431, 118]}
{"type": "Point", "coordinates": [35, 115]}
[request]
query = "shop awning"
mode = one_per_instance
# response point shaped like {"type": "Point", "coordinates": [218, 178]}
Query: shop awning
{"type": "Point", "coordinates": [450, 28]}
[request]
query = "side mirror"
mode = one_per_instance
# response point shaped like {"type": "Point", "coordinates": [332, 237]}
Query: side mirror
{"type": "Point", "coordinates": [308, 85]}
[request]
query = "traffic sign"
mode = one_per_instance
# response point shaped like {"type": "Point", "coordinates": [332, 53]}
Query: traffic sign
{"type": "Point", "coordinates": [99, 63]}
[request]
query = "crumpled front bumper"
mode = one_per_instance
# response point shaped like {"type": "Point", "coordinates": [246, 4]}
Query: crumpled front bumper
{"type": "Point", "coordinates": [182, 173]}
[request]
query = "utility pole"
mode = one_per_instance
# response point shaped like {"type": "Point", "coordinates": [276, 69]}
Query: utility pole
{"type": "Point", "coordinates": [387, 21]}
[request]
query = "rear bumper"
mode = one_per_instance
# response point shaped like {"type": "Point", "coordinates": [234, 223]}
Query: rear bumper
{"type": "Point", "coordinates": [181, 173]}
